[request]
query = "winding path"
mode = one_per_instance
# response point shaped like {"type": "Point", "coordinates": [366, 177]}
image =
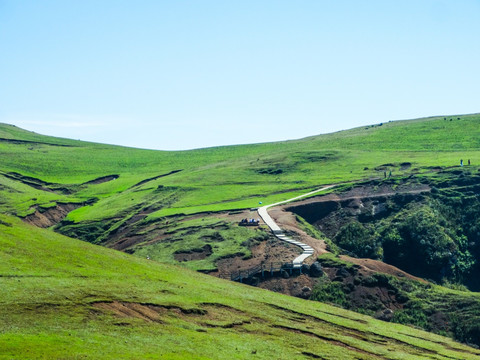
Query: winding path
{"type": "Point", "coordinates": [278, 232]}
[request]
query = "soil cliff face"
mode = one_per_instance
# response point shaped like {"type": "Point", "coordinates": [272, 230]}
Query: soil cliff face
{"type": "Point", "coordinates": [46, 217]}
{"type": "Point", "coordinates": [329, 216]}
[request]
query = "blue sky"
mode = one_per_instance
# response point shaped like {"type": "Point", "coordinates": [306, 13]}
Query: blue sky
{"type": "Point", "coordinates": [188, 74]}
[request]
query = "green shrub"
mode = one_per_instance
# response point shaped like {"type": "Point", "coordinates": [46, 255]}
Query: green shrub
{"type": "Point", "coordinates": [330, 292]}
{"type": "Point", "coordinates": [355, 238]}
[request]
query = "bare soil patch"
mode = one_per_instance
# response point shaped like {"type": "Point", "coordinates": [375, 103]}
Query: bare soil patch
{"type": "Point", "coordinates": [194, 254]}
{"type": "Point", "coordinates": [298, 286]}
{"type": "Point", "coordinates": [155, 178]}
{"type": "Point", "coordinates": [101, 180]}
{"type": "Point", "coordinates": [124, 243]}
{"type": "Point", "coordinates": [21, 142]}
{"type": "Point", "coordinates": [265, 252]}
{"type": "Point", "coordinates": [45, 218]}
{"type": "Point", "coordinates": [147, 313]}
{"type": "Point", "coordinates": [206, 315]}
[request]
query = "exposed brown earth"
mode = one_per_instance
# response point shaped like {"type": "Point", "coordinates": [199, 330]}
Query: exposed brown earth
{"type": "Point", "coordinates": [195, 254]}
{"type": "Point", "coordinates": [21, 142]}
{"type": "Point", "coordinates": [155, 178]}
{"type": "Point", "coordinates": [102, 180]}
{"type": "Point", "coordinates": [265, 252]}
{"type": "Point", "coordinates": [302, 285]}
{"type": "Point", "coordinates": [298, 286]}
{"type": "Point", "coordinates": [147, 313]}
{"type": "Point", "coordinates": [45, 218]}
{"type": "Point", "coordinates": [205, 314]}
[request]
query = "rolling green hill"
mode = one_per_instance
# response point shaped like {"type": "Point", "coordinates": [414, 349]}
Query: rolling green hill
{"type": "Point", "coordinates": [232, 177]}
{"type": "Point", "coordinates": [63, 298]}
{"type": "Point", "coordinates": [38, 172]}
{"type": "Point", "coordinates": [67, 299]}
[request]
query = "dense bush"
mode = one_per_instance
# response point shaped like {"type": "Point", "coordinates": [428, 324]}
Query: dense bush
{"type": "Point", "coordinates": [355, 238]}
{"type": "Point", "coordinates": [419, 244]}
{"type": "Point", "coordinates": [437, 236]}
{"type": "Point", "coordinates": [330, 292]}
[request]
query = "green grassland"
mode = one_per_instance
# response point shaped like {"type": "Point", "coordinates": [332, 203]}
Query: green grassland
{"type": "Point", "coordinates": [187, 235]}
{"type": "Point", "coordinates": [235, 176]}
{"type": "Point", "coordinates": [214, 179]}
{"type": "Point", "coordinates": [67, 299]}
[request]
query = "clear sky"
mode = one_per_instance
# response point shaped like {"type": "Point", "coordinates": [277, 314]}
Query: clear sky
{"type": "Point", "coordinates": [187, 74]}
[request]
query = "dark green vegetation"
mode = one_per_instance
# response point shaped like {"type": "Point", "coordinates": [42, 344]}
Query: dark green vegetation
{"type": "Point", "coordinates": [427, 225]}
{"type": "Point", "coordinates": [176, 206]}
{"type": "Point", "coordinates": [67, 299]}
{"type": "Point", "coordinates": [433, 234]}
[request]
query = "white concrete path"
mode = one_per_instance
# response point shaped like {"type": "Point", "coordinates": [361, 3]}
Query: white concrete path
{"type": "Point", "coordinates": [307, 249]}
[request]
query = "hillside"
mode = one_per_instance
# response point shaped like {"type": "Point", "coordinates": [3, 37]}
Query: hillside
{"type": "Point", "coordinates": [66, 299]}
{"type": "Point", "coordinates": [141, 187]}
{"type": "Point", "coordinates": [400, 197]}
{"type": "Point", "coordinates": [236, 176]}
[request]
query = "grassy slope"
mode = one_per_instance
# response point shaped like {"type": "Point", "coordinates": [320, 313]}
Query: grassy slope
{"type": "Point", "coordinates": [59, 298]}
{"type": "Point", "coordinates": [214, 179]}
{"type": "Point", "coordinates": [232, 177]}
{"type": "Point", "coordinates": [49, 295]}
